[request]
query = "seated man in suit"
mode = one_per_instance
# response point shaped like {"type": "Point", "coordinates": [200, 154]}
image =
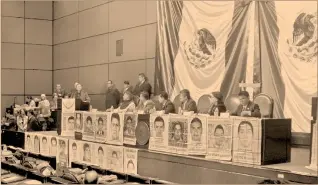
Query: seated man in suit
{"type": "Point", "coordinates": [187, 103]}
{"type": "Point", "coordinates": [167, 105]}
{"type": "Point", "coordinates": [246, 108]}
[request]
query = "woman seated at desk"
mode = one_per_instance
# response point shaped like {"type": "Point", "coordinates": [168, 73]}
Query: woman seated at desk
{"type": "Point", "coordinates": [217, 104]}
{"type": "Point", "coordinates": [127, 105]}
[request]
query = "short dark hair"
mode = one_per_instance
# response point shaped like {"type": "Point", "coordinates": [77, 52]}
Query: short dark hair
{"type": "Point", "coordinates": [44, 138]}
{"type": "Point", "coordinates": [164, 95]}
{"type": "Point", "coordinates": [70, 118]}
{"type": "Point", "coordinates": [114, 152]}
{"type": "Point", "coordinates": [126, 82]}
{"type": "Point", "coordinates": [86, 146]}
{"type": "Point", "coordinates": [143, 75]}
{"type": "Point", "coordinates": [100, 149]}
{"type": "Point", "coordinates": [196, 120]}
{"type": "Point", "coordinates": [36, 137]}
{"type": "Point", "coordinates": [115, 116]}
{"type": "Point", "coordinates": [145, 95]}
{"type": "Point", "coordinates": [100, 119]}
{"type": "Point", "coordinates": [129, 118]}
{"type": "Point", "coordinates": [89, 119]}
{"type": "Point", "coordinates": [28, 136]}
{"type": "Point", "coordinates": [130, 162]}
{"type": "Point", "coordinates": [244, 93]}
{"type": "Point", "coordinates": [74, 144]}
{"type": "Point", "coordinates": [219, 127]}
{"type": "Point", "coordinates": [186, 93]}
{"type": "Point", "coordinates": [160, 119]}
{"type": "Point", "coordinates": [245, 123]}
{"type": "Point", "coordinates": [53, 138]}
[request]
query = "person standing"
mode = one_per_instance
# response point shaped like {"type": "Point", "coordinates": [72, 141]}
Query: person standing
{"type": "Point", "coordinates": [142, 86]}
{"type": "Point", "coordinates": [112, 96]}
{"type": "Point", "coordinates": [81, 94]}
{"type": "Point", "coordinates": [59, 91]}
{"type": "Point", "coordinates": [127, 87]}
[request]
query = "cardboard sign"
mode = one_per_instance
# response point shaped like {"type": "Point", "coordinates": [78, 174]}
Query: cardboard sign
{"type": "Point", "coordinates": [45, 145]}
{"type": "Point", "coordinates": [178, 134]}
{"type": "Point", "coordinates": [130, 123]}
{"type": "Point", "coordinates": [101, 127]}
{"type": "Point", "coordinates": [62, 154]}
{"type": "Point", "coordinates": [130, 160]}
{"type": "Point", "coordinates": [197, 135]}
{"type": "Point", "coordinates": [115, 129]}
{"type": "Point", "coordinates": [75, 153]}
{"type": "Point", "coordinates": [88, 153]}
{"type": "Point", "coordinates": [115, 158]}
{"type": "Point", "coordinates": [68, 124]}
{"type": "Point", "coordinates": [28, 142]}
{"type": "Point", "coordinates": [101, 155]}
{"type": "Point", "coordinates": [247, 137]}
{"type": "Point", "coordinates": [89, 119]}
{"type": "Point", "coordinates": [219, 138]}
{"type": "Point", "coordinates": [53, 148]}
{"type": "Point", "coordinates": [78, 121]}
{"type": "Point", "coordinates": [159, 128]}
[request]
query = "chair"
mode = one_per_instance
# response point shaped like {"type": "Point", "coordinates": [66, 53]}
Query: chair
{"type": "Point", "coordinates": [177, 102]}
{"type": "Point", "coordinates": [232, 102]}
{"type": "Point", "coordinates": [204, 104]}
{"type": "Point", "coordinates": [155, 99]}
{"type": "Point", "coordinates": [266, 105]}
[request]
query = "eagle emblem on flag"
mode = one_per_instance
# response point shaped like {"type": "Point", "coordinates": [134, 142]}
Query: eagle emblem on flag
{"type": "Point", "coordinates": [201, 51]}
{"type": "Point", "coordinates": [303, 45]}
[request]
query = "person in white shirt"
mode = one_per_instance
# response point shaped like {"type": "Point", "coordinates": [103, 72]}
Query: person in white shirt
{"type": "Point", "coordinates": [22, 121]}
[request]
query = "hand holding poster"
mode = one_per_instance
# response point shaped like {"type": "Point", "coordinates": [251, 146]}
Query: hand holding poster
{"type": "Point", "coordinates": [247, 139]}
{"type": "Point", "coordinates": [197, 135]}
{"type": "Point", "coordinates": [178, 134]}
{"type": "Point", "coordinates": [159, 125]}
{"type": "Point", "coordinates": [115, 129]}
{"type": "Point", "coordinates": [219, 138]}
{"type": "Point", "coordinates": [101, 131]}
{"type": "Point", "coordinates": [130, 122]}
{"type": "Point", "coordinates": [130, 160]}
{"type": "Point", "coordinates": [115, 158]}
{"type": "Point", "coordinates": [89, 119]}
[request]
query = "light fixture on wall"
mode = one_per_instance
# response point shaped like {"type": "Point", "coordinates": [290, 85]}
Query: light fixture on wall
{"type": "Point", "coordinates": [119, 47]}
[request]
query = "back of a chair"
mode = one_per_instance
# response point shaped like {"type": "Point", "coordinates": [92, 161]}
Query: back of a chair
{"type": "Point", "coordinates": [265, 104]}
{"type": "Point", "coordinates": [231, 103]}
{"type": "Point", "coordinates": [204, 104]}
{"type": "Point", "coordinates": [177, 102]}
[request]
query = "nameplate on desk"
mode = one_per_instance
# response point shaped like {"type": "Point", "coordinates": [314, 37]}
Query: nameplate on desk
{"type": "Point", "coordinates": [224, 115]}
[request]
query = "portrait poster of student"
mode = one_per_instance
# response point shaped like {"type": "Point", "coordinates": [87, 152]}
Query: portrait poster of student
{"type": "Point", "coordinates": [130, 123]}
{"type": "Point", "coordinates": [36, 144]}
{"type": "Point", "coordinates": [115, 128]}
{"type": "Point", "coordinates": [89, 129]}
{"type": "Point", "coordinates": [62, 154]}
{"type": "Point", "coordinates": [68, 123]}
{"type": "Point", "coordinates": [178, 134]}
{"type": "Point", "coordinates": [115, 158]}
{"type": "Point", "coordinates": [159, 126]}
{"type": "Point", "coordinates": [100, 155]}
{"type": "Point", "coordinates": [53, 148]}
{"type": "Point", "coordinates": [45, 144]}
{"type": "Point", "coordinates": [219, 138]}
{"type": "Point", "coordinates": [130, 160]}
{"type": "Point", "coordinates": [247, 140]}
{"type": "Point", "coordinates": [78, 121]}
{"type": "Point", "coordinates": [89, 155]}
{"type": "Point", "coordinates": [28, 142]}
{"type": "Point", "coordinates": [75, 153]}
{"type": "Point", "coordinates": [101, 127]}
{"type": "Point", "coordinates": [197, 135]}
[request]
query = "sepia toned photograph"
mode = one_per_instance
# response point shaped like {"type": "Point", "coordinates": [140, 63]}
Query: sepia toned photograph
{"type": "Point", "coordinates": [159, 92]}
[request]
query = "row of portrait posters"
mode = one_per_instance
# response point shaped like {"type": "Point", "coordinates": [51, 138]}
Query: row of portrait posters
{"type": "Point", "coordinates": [117, 158]}
{"type": "Point", "coordinates": [237, 139]}
{"type": "Point", "coordinates": [44, 143]}
{"type": "Point", "coordinates": [103, 127]}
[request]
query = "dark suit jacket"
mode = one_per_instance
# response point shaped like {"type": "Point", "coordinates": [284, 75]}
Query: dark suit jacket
{"type": "Point", "coordinates": [82, 95]}
{"type": "Point", "coordinates": [221, 108]}
{"type": "Point", "coordinates": [60, 94]}
{"type": "Point", "coordinates": [254, 108]}
{"type": "Point", "coordinates": [190, 105]}
{"type": "Point", "coordinates": [142, 87]}
{"type": "Point", "coordinates": [168, 107]}
{"type": "Point", "coordinates": [34, 125]}
{"type": "Point", "coordinates": [112, 98]}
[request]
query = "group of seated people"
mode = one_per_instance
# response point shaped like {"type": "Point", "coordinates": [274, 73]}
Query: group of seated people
{"type": "Point", "coordinates": [138, 99]}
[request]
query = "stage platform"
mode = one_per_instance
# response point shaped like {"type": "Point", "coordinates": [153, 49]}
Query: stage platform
{"type": "Point", "coordinates": [186, 169]}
